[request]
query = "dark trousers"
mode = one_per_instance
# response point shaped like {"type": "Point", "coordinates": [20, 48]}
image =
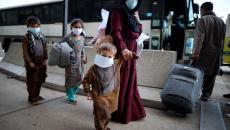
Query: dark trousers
{"type": "Point", "coordinates": [35, 78]}
{"type": "Point", "coordinates": [34, 90]}
{"type": "Point", "coordinates": [208, 84]}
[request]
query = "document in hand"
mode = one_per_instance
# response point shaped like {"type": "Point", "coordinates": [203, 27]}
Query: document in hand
{"type": "Point", "coordinates": [140, 41]}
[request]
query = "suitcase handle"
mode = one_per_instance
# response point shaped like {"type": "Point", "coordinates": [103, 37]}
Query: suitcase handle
{"type": "Point", "coordinates": [190, 74]}
{"type": "Point", "coordinates": [178, 77]}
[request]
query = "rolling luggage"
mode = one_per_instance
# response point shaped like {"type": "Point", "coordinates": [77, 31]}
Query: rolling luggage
{"type": "Point", "coordinates": [182, 89]}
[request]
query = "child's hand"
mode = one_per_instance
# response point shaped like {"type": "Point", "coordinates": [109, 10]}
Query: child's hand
{"type": "Point", "coordinates": [135, 56]}
{"type": "Point", "coordinates": [85, 60]}
{"type": "Point", "coordinates": [89, 97]}
{"type": "Point", "coordinates": [44, 63]}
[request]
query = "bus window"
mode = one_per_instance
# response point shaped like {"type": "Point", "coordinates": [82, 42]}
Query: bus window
{"type": "Point", "coordinates": [12, 17]}
{"type": "Point", "coordinates": [191, 22]}
{"type": "Point", "coordinates": [89, 14]}
{"type": "Point", "coordinates": [23, 13]}
{"type": "Point", "coordinates": [38, 12]}
{"type": "Point", "coordinates": [2, 17]}
{"type": "Point", "coordinates": [109, 4]}
{"type": "Point", "coordinates": [145, 10]}
{"type": "Point", "coordinates": [46, 16]}
{"type": "Point", "coordinates": [56, 11]}
{"type": "Point", "coordinates": [157, 7]}
{"type": "Point", "coordinates": [188, 46]}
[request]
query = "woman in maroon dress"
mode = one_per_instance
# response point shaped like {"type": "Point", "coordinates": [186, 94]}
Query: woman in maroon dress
{"type": "Point", "coordinates": [126, 28]}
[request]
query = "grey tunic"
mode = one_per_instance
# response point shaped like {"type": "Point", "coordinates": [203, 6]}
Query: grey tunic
{"type": "Point", "coordinates": [75, 71]}
{"type": "Point", "coordinates": [209, 41]}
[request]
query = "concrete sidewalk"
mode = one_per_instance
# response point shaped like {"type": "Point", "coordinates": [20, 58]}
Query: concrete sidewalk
{"type": "Point", "coordinates": [55, 114]}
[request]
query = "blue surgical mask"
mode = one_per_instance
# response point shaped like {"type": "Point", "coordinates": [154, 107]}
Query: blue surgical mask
{"type": "Point", "coordinates": [34, 30]}
{"type": "Point", "coordinates": [131, 4]}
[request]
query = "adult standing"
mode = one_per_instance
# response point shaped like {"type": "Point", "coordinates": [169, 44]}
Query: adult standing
{"type": "Point", "coordinates": [209, 41]}
{"type": "Point", "coordinates": [126, 28]}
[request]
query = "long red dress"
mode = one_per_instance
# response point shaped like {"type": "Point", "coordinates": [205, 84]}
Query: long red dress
{"type": "Point", "coordinates": [130, 107]}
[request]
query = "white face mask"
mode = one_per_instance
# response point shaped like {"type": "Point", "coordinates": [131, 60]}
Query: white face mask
{"type": "Point", "coordinates": [34, 30]}
{"type": "Point", "coordinates": [102, 61]}
{"type": "Point", "coordinates": [131, 4]}
{"type": "Point", "coordinates": [77, 31]}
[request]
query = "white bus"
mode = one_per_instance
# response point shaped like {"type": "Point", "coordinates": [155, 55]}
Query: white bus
{"type": "Point", "coordinates": [12, 20]}
{"type": "Point", "coordinates": [153, 13]}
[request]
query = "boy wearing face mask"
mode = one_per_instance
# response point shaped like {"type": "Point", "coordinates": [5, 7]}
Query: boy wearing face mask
{"type": "Point", "coordinates": [104, 77]}
{"type": "Point", "coordinates": [75, 70]}
{"type": "Point", "coordinates": [35, 57]}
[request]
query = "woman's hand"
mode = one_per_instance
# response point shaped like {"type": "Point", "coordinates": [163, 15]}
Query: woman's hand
{"type": "Point", "coordinates": [195, 56]}
{"type": "Point", "coordinates": [136, 14]}
{"type": "Point", "coordinates": [127, 54]}
{"type": "Point", "coordinates": [32, 65]}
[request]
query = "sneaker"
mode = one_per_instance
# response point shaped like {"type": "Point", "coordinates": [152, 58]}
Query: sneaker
{"type": "Point", "coordinates": [33, 102]}
{"type": "Point", "coordinates": [204, 98]}
{"type": "Point", "coordinates": [108, 128]}
{"type": "Point", "coordinates": [228, 104]}
{"type": "Point", "coordinates": [226, 95]}
{"type": "Point", "coordinates": [72, 102]}
{"type": "Point", "coordinates": [40, 98]}
{"type": "Point", "coordinates": [227, 115]}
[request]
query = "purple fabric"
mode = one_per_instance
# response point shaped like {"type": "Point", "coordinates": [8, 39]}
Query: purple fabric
{"type": "Point", "coordinates": [130, 107]}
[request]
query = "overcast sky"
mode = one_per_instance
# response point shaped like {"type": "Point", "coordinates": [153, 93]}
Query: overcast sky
{"type": "Point", "coordinates": [221, 7]}
{"type": "Point", "coordinates": [10, 3]}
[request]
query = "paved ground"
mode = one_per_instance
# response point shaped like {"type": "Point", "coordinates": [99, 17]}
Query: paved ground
{"type": "Point", "coordinates": [55, 114]}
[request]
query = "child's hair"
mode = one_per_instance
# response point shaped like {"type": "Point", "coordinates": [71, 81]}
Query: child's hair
{"type": "Point", "coordinates": [32, 20]}
{"type": "Point", "coordinates": [76, 20]}
{"type": "Point", "coordinates": [107, 47]}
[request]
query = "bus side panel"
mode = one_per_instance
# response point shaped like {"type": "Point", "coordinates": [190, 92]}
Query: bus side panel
{"type": "Point", "coordinates": [226, 53]}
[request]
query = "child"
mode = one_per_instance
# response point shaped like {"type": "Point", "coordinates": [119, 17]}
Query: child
{"type": "Point", "coordinates": [104, 76]}
{"type": "Point", "coordinates": [74, 71]}
{"type": "Point", "coordinates": [35, 57]}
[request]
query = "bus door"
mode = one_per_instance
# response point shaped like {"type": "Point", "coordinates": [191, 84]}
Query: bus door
{"type": "Point", "coordinates": [156, 24]}
{"type": "Point", "coordinates": [226, 51]}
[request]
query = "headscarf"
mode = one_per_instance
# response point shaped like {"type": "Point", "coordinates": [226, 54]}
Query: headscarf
{"type": "Point", "coordinates": [131, 20]}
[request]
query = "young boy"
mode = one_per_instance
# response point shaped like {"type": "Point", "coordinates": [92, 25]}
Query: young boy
{"type": "Point", "coordinates": [35, 57]}
{"type": "Point", "coordinates": [104, 76]}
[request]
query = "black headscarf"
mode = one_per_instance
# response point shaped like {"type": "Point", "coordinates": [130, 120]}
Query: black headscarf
{"type": "Point", "coordinates": [129, 16]}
